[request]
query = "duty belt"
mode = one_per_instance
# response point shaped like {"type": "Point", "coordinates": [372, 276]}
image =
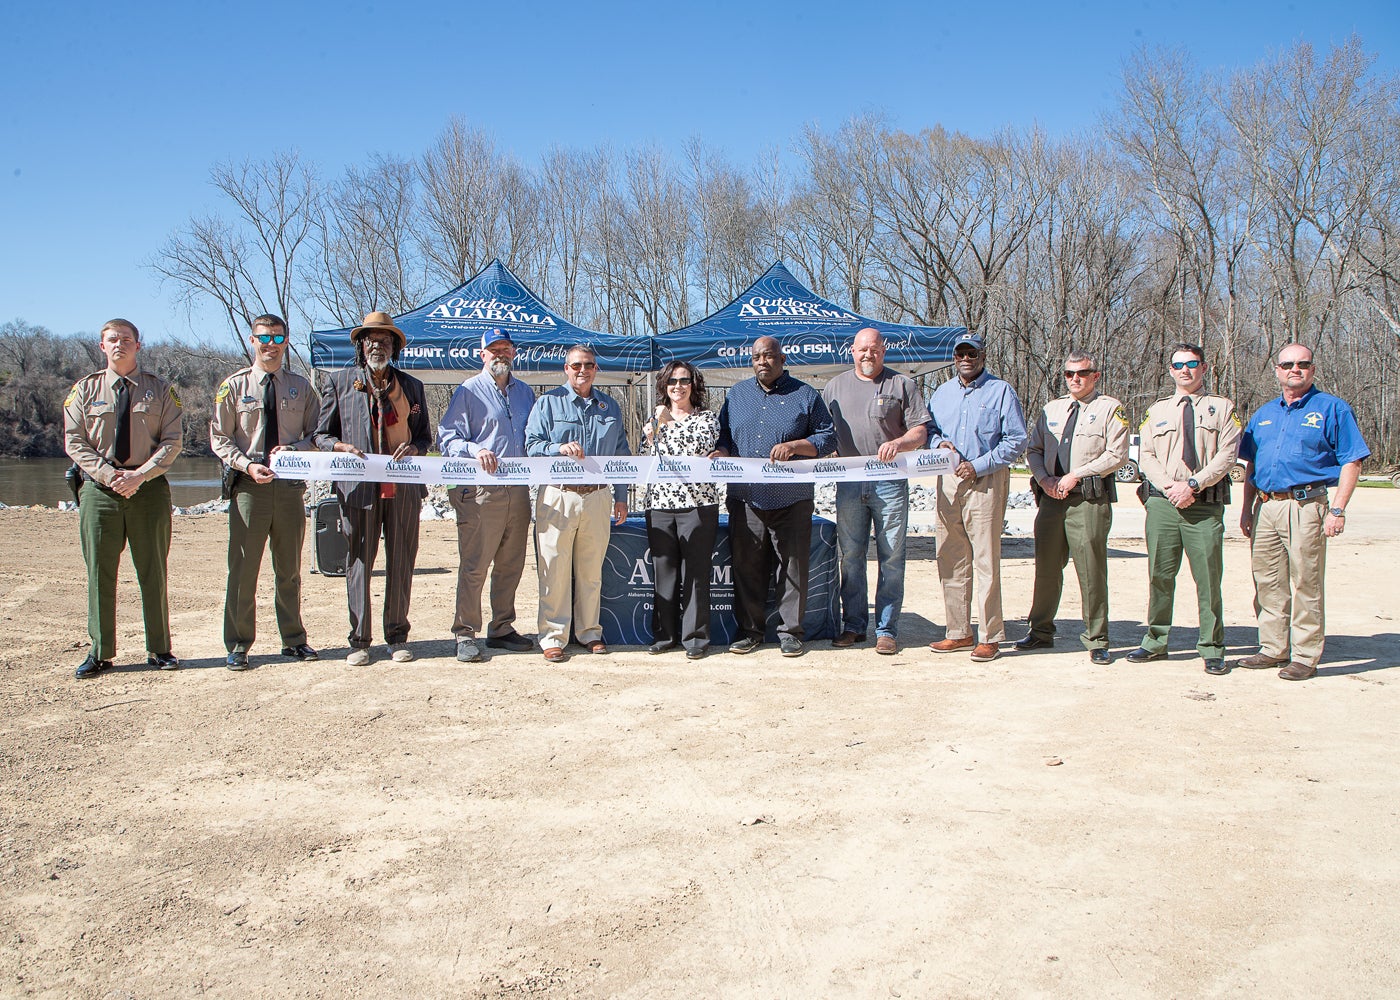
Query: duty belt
{"type": "Point", "coordinates": [1313, 491]}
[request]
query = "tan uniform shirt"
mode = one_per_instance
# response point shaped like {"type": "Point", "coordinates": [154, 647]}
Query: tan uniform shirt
{"type": "Point", "coordinates": [90, 424]}
{"type": "Point", "coordinates": [1217, 441]}
{"type": "Point", "coordinates": [1100, 442]}
{"type": "Point", "coordinates": [236, 428]}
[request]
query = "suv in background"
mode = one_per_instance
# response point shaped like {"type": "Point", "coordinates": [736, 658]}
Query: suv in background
{"type": "Point", "coordinates": [1129, 472]}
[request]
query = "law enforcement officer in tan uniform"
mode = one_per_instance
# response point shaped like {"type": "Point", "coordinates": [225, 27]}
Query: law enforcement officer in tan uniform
{"type": "Point", "coordinates": [1189, 444]}
{"type": "Point", "coordinates": [122, 428]}
{"type": "Point", "coordinates": [1080, 440]}
{"type": "Point", "coordinates": [1298, 444]}
{"type": "Point", "coordinates": [259, 411]}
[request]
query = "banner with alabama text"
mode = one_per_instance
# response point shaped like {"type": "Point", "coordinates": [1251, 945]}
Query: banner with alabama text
{"type": "Point", "coordinates": [629, 469]}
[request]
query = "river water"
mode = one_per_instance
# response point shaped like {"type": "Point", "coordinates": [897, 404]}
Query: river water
{"type": "Point", "coordinates": [26, 481]}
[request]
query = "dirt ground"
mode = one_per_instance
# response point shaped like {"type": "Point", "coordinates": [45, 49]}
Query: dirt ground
{"type": "Point", "coordinates": [841, 825]}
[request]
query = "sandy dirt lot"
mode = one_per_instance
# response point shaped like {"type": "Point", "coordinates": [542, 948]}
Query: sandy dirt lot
{"type": "Point", "coordinates": [841, 825]}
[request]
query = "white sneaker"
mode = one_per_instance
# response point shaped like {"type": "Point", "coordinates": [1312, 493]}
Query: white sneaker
{"type": "Point", "coordinates": [399, 653]}
{"type": "Point", "coordinates": [358, 657]}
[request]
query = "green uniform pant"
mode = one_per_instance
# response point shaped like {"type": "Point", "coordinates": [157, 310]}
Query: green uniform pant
{"type": "Point", "coordinates": [272, 512]}
{"type": "Point", "coordinates": [1199, 531]}
{"type": "Point", "coordinates": [1076, 528]}
{"type": "Point", "coordinates": [107, 523]}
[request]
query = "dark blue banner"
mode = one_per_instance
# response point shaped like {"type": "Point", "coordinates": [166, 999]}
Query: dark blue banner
{"type": "Point", "coordinates": [628, 589]}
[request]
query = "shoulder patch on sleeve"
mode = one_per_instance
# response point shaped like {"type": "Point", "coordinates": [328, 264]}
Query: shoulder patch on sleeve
{"type": "Point", "coordinates": [1235, 416]}
{"type": "Point", "coordinates": [1145, 420]}
{"type": "Point", "coordinates": [1121, 415]}
{"type": "Point", "coordinates": [223, 392]}
{"type": "Point", "coordinates": [175, 396]}
{"type": "Point", "coordinates": [72, 395]}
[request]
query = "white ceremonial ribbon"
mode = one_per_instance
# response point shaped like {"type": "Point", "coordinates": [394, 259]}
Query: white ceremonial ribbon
{"type": "Point", "coordinates": [630, 469]}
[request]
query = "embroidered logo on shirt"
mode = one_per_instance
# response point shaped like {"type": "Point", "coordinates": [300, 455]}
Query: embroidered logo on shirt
{"type": "Point", "coordinates": [1313, 419]}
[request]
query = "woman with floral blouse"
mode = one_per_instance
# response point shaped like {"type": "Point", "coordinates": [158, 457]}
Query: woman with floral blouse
{"type": "Point", "coordinates": [682, 518]}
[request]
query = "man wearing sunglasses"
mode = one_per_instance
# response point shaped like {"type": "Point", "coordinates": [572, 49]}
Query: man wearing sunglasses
{"type": "Point", "coordinates": [1076, 445]}
{"type": "Point", "coordinates": [1189, 444]}
{"type": "Point", "coordinates": [259, 411]}
{"type": "Point", "coordinates": [1297, 445]}
{"type": "Point", "coordinates": [571, 521]}
{"type": "Point", "coordinates": [880, 413]}
{"type": "Point", "coordinates": [485, 421]}
{"type": "Point", "coordinates": [977, 415]}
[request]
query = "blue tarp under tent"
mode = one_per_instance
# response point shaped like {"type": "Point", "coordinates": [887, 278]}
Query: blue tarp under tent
{"type": "Point", "coordinates": [444, 335]}
{"type": "Point", "coordinates": [816, 335]}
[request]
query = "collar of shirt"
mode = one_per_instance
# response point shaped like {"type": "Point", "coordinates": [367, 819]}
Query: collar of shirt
{"type": "Point", "coordinates": [1302, 400]}
{"type": "Point", "coordinates": [976, 383]}
{"type": "Point", "coordinates": [783, 383]}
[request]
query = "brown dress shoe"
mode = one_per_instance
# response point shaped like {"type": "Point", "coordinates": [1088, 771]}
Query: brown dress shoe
{"type": "Point", "coordinates": [596, 646]}
{"type": "Point", "coordinates": [554, 654]}
{"type": "Point", "coordinates": [885, 645]}
{"type": "Point", "coordinates": [1260, 661]}
{"type": "Point", "coordinates": [951, 645]}
{"type": "Point", "coordinates": [1296, 671]}
{"type": "Point", "coordinates": [986, 651]}
{"type": "Point", "coordinates": [847, 638]}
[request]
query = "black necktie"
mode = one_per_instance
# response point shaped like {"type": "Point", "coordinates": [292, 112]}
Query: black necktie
{"type": "Point", "coordinates": [1188, 437]}
{"type": "Point", "coordinates": [121, 451]}
{"type": "Point", "coordinates": [1062, 453]}
{"type": "Point", "coordinates": [270, 431]}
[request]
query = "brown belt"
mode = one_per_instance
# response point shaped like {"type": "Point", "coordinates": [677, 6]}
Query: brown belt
{"type": "Point", "coordinates": [583, 490]}
{"type": "Point", "coordinates": [1299, 493]}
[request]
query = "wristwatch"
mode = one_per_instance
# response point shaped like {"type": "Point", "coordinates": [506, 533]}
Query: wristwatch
{"type": "Point", "coordinates": [1337, 511]}
{"type": "Point", "coordinates": [1195, 486]}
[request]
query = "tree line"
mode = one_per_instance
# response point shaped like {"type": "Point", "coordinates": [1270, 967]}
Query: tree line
{"type": "Point", "coordinates": [1240, 210]}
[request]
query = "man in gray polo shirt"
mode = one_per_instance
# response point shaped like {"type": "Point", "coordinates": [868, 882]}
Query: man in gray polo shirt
{"type": "Point", "coordinates": [877, 412]}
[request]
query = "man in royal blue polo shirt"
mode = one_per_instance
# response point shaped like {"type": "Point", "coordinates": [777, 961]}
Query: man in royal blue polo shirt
{"type": "Point", "coordinates": [1297, 445]}
{"type": "Point", "coordinates": [772, 416]}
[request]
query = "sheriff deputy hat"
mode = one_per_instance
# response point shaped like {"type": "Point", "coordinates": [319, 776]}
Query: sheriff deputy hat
{"type": "Point", "coordinates": [375, 322]}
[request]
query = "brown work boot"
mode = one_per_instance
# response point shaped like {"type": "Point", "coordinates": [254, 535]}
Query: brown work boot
{"type": "Point", "coordinates": [1261, 661]}
{"type": "Point", "coordinates": [847, 638]}
{"type": "Point", "coordinates": [885, 645]}
{"type": "Point", "coordinates": [986, 651]}
{"type": "Point", "coordinates": [1296, 671]}
{"type": "Point", "coordinates": [952, 645]}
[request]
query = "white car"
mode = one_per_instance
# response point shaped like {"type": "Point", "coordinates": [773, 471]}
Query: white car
{"type": "Point", "coordinates": [1128, 472]}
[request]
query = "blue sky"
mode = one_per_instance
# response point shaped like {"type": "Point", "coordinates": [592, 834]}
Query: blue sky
{"type": "Point", "coordinates": [111, 117]}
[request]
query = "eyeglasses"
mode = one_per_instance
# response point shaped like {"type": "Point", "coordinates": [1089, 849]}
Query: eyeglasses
{"type": "Point", "coordinates": [271, 338]}
{"type": "Point", "coordinates": [1079, 372]}
{"type": "Point", "coordinates": [1193, 364]}
{"type": "Point", "coordinates": [966, 352]}
{"type": "Point", "coordinates": [582, 366]}
{"type": "Point", "coordinates": [679, 381]}
{"type": "Point", "coordinates": [1288, 366]}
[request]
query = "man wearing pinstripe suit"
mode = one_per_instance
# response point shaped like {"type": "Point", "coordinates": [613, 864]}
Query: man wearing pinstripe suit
{"type": "Point", "coordinates": [376, 408]}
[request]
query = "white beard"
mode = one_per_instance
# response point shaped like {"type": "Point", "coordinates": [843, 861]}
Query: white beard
{"type": "Point", "coordinates": [867, 368]}
{"type": "Point", "coordinates": [377, 366]}
{"type": "Point", "coordinates": [498, 368]}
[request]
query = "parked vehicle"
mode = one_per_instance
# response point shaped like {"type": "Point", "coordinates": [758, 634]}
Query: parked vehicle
{"type": "Point", "coordinates": [1130, 473]}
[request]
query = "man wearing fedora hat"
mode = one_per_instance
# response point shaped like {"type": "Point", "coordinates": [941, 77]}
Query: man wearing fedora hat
{"type": "Point", "coordinates": [486, 422]}
{"type": "Point", "coordinates": [377, 408]}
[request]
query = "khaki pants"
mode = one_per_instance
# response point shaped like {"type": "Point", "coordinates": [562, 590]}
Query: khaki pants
{"type": "Point", "coordinates": [1065, 529]}
{"type": "Point", "coordinates": [1288, 554]}
{"type": "Point", "coordinates": [493, 523]}
{"type": "Point", "coordinates": [571, 540]}
{"type": "Point", "coordinates": [971, 515]}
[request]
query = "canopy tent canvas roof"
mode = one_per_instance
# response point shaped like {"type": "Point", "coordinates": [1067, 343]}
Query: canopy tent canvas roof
{"type": "Point", "coordinates": [816, 335]}
{"type": "Point", "coordinates": [445, 334]}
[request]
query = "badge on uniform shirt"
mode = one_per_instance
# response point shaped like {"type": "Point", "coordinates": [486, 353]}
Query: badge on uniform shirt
{"type": "Point", "coordinates": [1093, 417]}
{"type": "Point", "coordinates": [1210, 410]}
{"type": "Point", "coordinates": [292, 392]}
{"type": "Point", "coordinates": [150, 395]}
{"type": "Point", "coordinates": [1313, 419]}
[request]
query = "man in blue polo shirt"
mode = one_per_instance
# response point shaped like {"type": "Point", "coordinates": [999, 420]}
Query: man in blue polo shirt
{"type": "Point", "coordinates": [485, 422]}
{"type": "Point", "coordinates": [772, 416]}
{"type": "Point", "coordinates": [1297, 445]}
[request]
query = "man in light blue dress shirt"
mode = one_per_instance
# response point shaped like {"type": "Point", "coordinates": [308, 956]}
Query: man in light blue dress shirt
{"type": "Point", "coordinates": [978, 415]}
{"type": "Point", "coordinates": [484, 423]}
{"type": "Point", "coordinates": [571, 522]}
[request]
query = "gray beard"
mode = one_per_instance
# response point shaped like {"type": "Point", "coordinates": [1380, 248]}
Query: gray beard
{"type": "Point", "coordinates": [867, 368]}
{"type": "Point", "coordinates": [498, 368]}
{"type": "Point", "coordinates": [377, 366]}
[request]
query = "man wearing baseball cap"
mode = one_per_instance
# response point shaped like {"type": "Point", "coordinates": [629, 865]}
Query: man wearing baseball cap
{"type": "Point", "coordinates": [977, 415]}
{"type": "Point", "coordinates": [486, 422]}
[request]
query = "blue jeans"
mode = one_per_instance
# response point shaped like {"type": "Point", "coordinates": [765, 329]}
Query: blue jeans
{"type": "Point", "coordinates": [883, 505]}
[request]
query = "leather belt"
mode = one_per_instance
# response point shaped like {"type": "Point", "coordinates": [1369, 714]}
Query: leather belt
{"type": "Point", "coordinates": [1313, 491]}
{"type": "Point", "coordinates": [583, 490]}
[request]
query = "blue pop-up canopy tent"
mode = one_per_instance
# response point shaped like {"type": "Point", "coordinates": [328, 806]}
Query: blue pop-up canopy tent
{"type": "Point", "coordinates": [816, 335]}
{"type": "Point", "coordinates": [444, 335]}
